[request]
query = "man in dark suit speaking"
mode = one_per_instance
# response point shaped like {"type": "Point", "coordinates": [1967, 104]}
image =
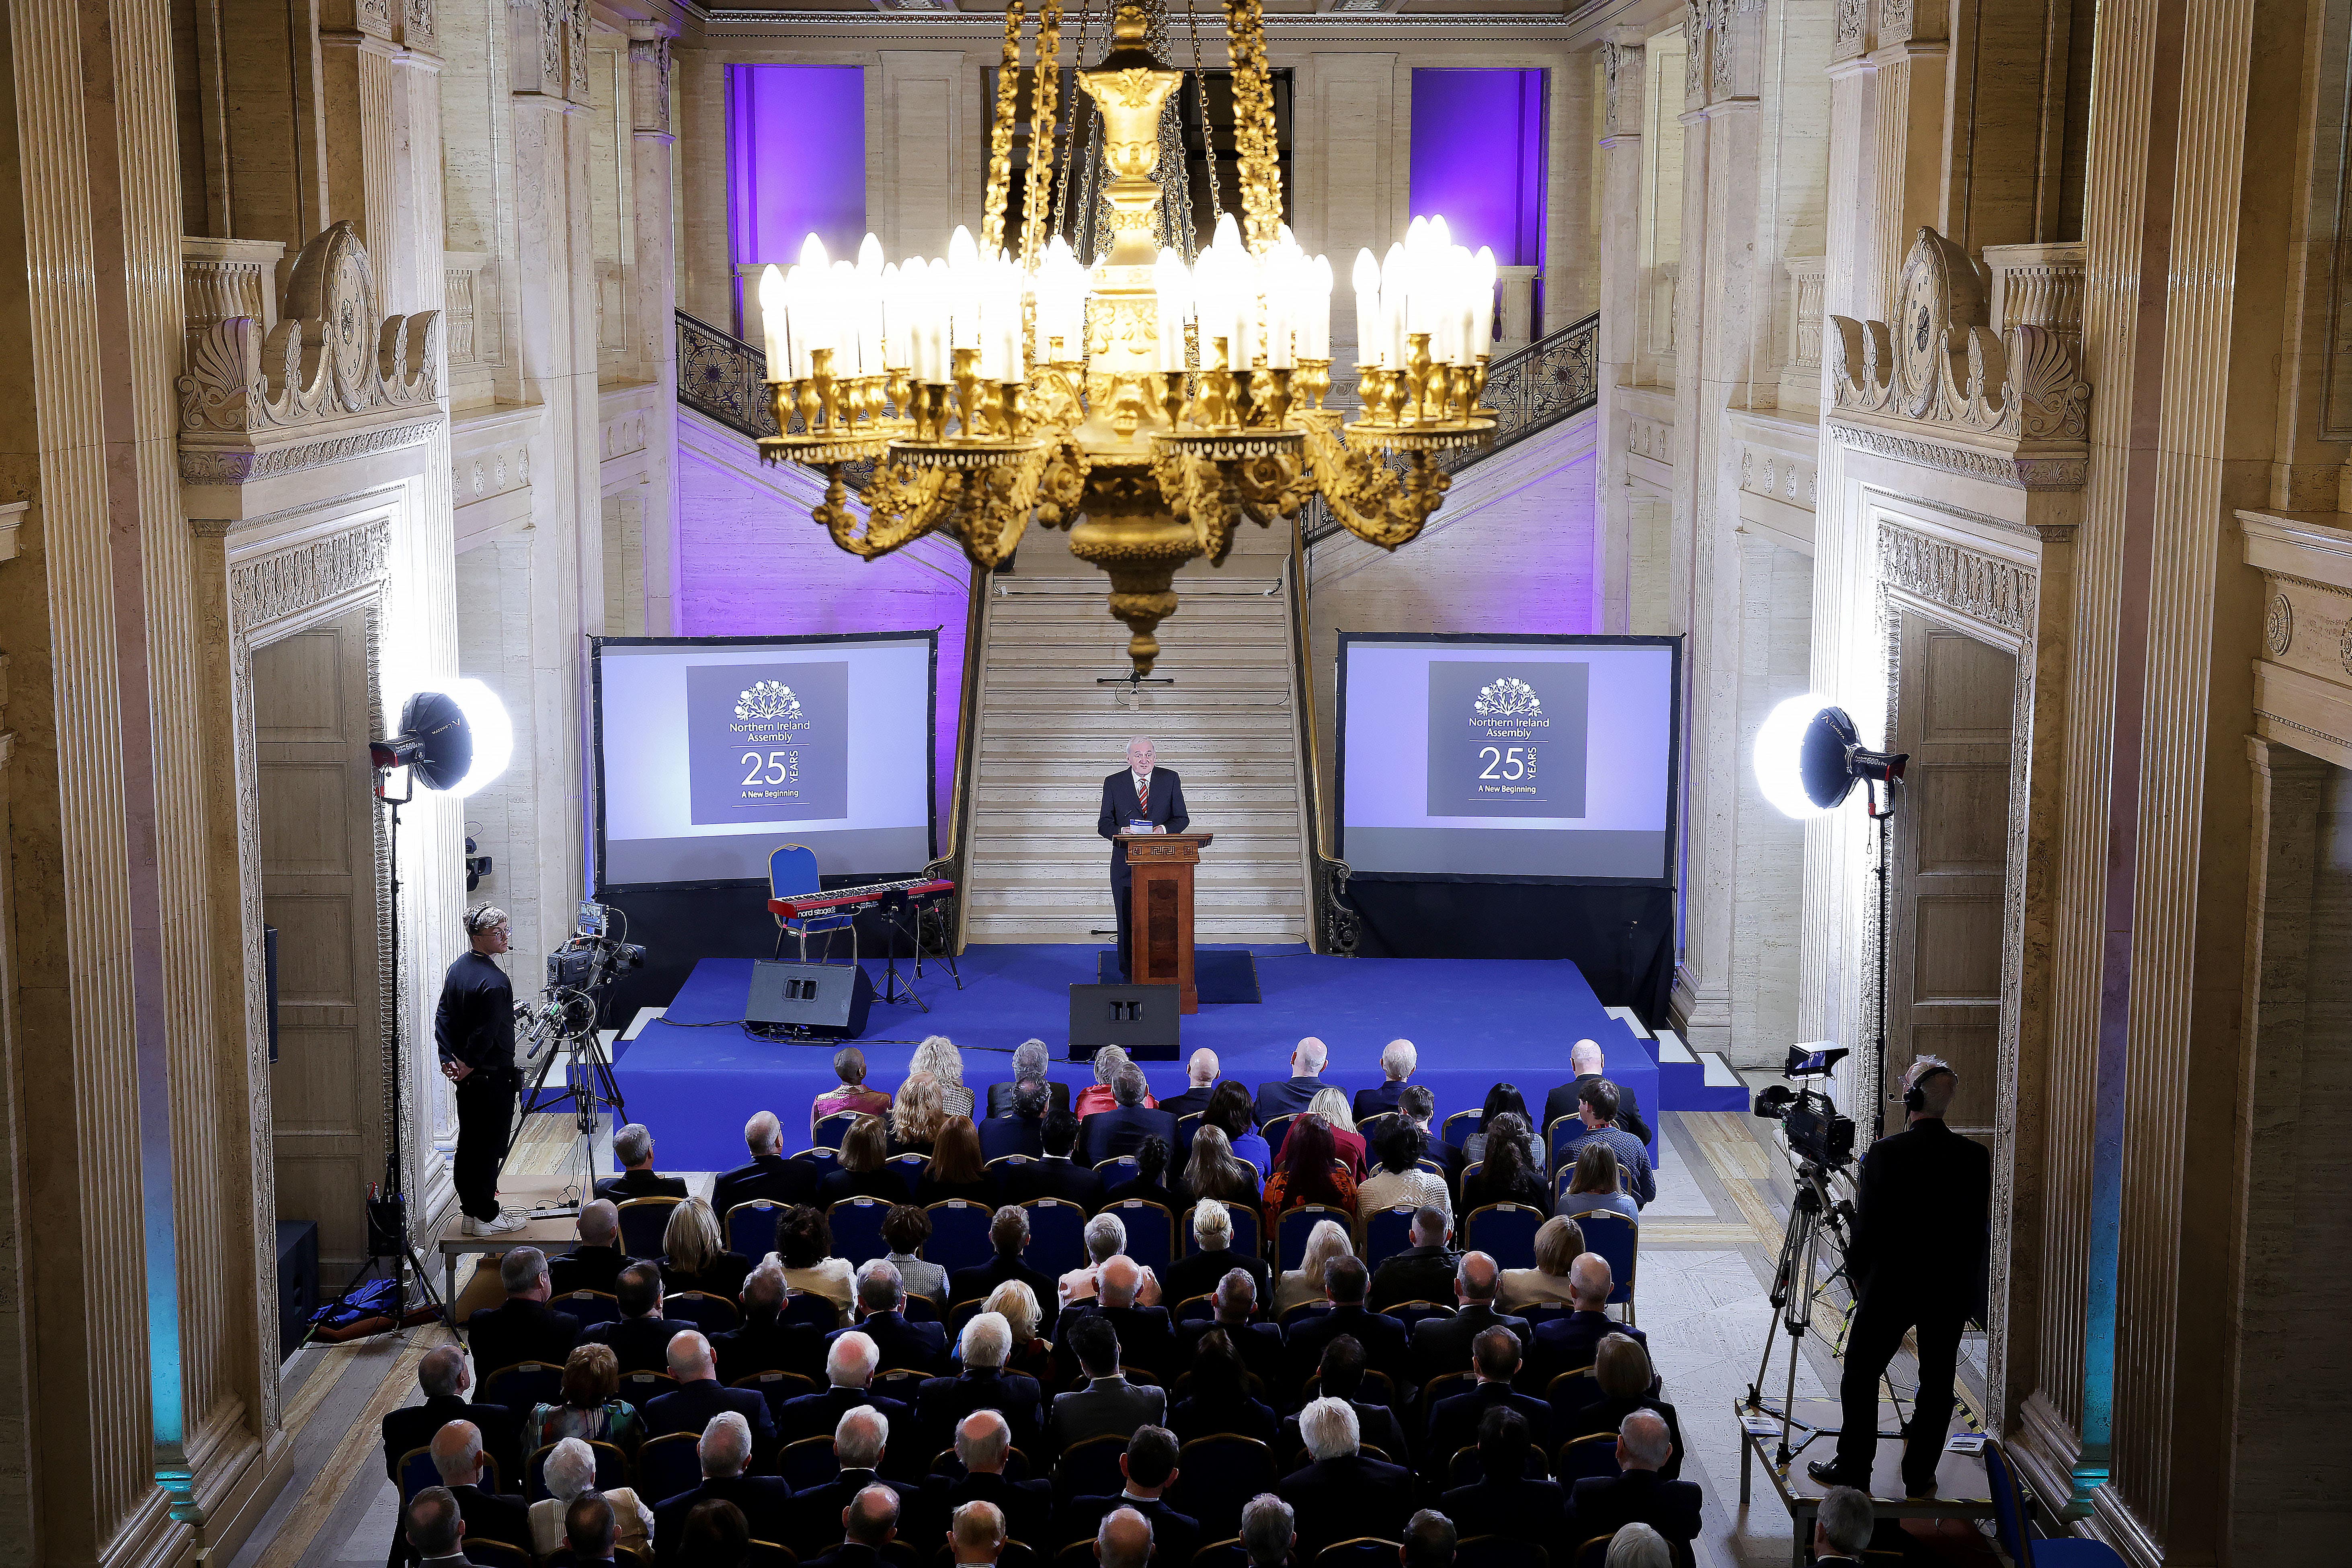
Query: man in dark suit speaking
{"type": "Point", "coordinates": [1138, 792]}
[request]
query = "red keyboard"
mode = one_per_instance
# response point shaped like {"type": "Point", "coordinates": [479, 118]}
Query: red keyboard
{"type": "Point", "coordinates": [852, 899]}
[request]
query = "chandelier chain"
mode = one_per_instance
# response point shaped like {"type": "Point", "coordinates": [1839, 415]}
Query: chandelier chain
{"type": "Point", "coordinates": [1044, 104]}
{"type": "Point", "coordinates": [1000, 139]}
{"type": "Point", "coordinates": [1066, 168]}
{"type": "Point", "coordinates": [1208, 135]}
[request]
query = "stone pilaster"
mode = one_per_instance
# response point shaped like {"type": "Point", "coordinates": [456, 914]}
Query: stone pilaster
{"type": "Point", "coordinates": [1620, 175]}
{"type": "Point", "coordinates": [653, 161]}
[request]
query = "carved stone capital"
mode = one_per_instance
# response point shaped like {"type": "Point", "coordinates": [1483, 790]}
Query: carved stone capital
{"type": "Point", "coordinates": [1621, 66]}
{"type": "Point", "coordinates": [649, 85]}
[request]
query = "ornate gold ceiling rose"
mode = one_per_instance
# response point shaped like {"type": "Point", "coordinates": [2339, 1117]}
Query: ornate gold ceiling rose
{"type": "Point", "coordinates": [1147, 405]}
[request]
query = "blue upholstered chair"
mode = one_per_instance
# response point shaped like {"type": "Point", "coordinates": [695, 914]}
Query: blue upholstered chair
{"type": "Point", "coordinates": [791, 868]}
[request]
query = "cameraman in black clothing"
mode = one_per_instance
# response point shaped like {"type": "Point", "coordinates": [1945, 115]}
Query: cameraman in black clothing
{"type": "Point", "coordinates": [1917, 1259]}
{"type": "Point", "coordinates": [474, 1029]}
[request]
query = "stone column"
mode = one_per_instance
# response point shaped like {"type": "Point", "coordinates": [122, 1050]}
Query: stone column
{"type": "Point", "coordinates": [652, 162]}
{"type": "Point", "coordinates": [1620, 173]}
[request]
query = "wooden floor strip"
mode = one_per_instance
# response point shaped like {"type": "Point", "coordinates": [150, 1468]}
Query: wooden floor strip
{"type": "Point", "coordinates": [359, 1446]}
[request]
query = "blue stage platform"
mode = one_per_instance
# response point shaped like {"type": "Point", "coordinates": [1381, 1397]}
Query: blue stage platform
{"type": "Point", "coordinates": [695, 1075]}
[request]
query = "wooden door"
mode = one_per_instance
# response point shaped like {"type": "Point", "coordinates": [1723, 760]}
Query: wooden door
{"type": "Point", "coordinates": [311, 720]}
{"type": "Point", "coordinates": [1950, 864]}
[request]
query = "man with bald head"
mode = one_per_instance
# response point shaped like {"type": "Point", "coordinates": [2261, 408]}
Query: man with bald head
{"type": "Point", "coordinates": [1146, 1338]}
{"type": "Point", "coordinates": [1585, 1061]}
{"type": "Point", "coordinates": [1570, 1343]}
{"type": "Point", "coordinates": [1123, 1540]}
{"type": "Point", "coordinates": [1441, 1345]}
{"type": "Point", "coordinates": [983, 1442]}
{"type": "Point", "coordinates": [597, 1260]}
{"type": "Point", "coordinates": [1602, 1505]}
{"type": "Point", "coordinates": [447, 1380]}
{"type": "Point", "coordinates": [1290, 1096]}
{"type": "Point", "coordinates": [769, 1175]}
{"type": "Point", "coordinates": [1139, 798]}
{"type": "Point", "coordinates": [457, 1451]}
{"type": "Point", "coordinates": [699, 1395]}
{"type": "Point", "coordinates": [1201, 1081]}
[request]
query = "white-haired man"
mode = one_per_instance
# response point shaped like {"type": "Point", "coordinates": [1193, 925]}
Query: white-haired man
{"type": "Point", "coordinates": [1585, 1061]}
{"type": "Point", "coordinates": [1922, 1206]}
{"type": "Point", "coordinates": [850, 1362]}
{"type": "Point", "coordinates": [457, 1453]}
{"type": "Point", "coordinates": [767, 1177]}
{"type": "Point", "coordinates": [447, 1380]}
{"type": "Point", "coordinates": [699, 1395]}
{"type": "Point", "coordinates": [632, 1150]}
{"type": "Point", "coordinates": [983, 1384]}
{"type": "Point", "coordinates": [1398, 1058]}
{"type": "Point", "coordinates": [1637, 1494]}
{"type": "Point", "coordinates": [1106, 1237]}
{"type": "Point", "coordinates": [1843, 1527]}
{"type": "Point", "coordinates": [1197, 1273]}
{"type": "Point", "coordinates": [1269, 1531]}
{"type": "Point", "coordinates": [903, 1344]}
{"type": "Point", "coordinates": [976, 1534]}
{"type": "Point", "coordinates": [1342, 1494]}
{"type": "Point", "coordinates": [983, 1442]}
{"type": "Point", "coordinates": [524, 1327]}
{"type": "Point", "coordinates": [1201, 1081]}
{"type": "Point", "coordinates": [1290, 1096]}
{"type": "Point", "coordinates": [861, 1441]}
{"type": "Point", "coordinates": [725, 1451]}
{"type": "Point", "coordinates": [473, 1031]}
{"type": "Point", "coordinates": [1139, 798]}
{"type": "Point", "coordinates": [1031, 1063]}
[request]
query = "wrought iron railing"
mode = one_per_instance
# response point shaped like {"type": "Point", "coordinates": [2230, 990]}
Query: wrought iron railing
{"type": "Point", "coordinates": [719, 375]}
{"type": "Point", "coordinates": [1554, 378]}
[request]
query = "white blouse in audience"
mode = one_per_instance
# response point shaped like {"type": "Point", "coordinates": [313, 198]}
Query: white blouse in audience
{"type": "Point", "coordinates": [832, 1278]}
{"type": "Point", "coordinates": [1387, 1189]}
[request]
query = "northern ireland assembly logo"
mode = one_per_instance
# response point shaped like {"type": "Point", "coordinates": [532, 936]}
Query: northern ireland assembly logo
{"type": "Point", "coordinates": [1509, 698]}
{"type": "Point", "coordinates": [768, 702]}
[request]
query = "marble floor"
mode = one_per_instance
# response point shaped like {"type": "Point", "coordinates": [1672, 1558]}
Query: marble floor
{"type": "Point", "coordinates": [1709, 1245]}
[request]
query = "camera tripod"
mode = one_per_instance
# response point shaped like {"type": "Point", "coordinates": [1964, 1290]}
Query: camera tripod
{"type": "Point", "coordinates": [1794, 1287]}
{"type": "Point", "coordinates": [573, 1017]}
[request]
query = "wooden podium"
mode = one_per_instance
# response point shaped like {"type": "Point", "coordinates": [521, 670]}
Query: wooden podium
{"type": "Point", "coordinates": [1160, 910]}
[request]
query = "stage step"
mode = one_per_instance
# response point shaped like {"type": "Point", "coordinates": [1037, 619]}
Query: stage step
{"type": "Point", "coordinates": [1048, 732]}
{"type": "Point", "coordinates": [1700, 1081]}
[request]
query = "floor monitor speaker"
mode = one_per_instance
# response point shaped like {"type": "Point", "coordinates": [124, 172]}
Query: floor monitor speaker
{"type": "Point", "coordinates": [1140, 1018]}
{"type": "Point", "coordinates": [827, 999]}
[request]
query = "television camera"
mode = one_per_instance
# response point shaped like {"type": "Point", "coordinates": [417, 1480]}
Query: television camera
{"type": "Point", "coordinates": [1821, 1225]}
{"type": "Point", "coordinates": [1809, 1117]}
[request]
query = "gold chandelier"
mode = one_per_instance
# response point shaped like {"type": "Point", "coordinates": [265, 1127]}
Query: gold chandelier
{"type": "Point", "coordinates": [1147, 405]}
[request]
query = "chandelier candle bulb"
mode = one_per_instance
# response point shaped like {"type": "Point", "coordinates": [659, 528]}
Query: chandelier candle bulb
{"type": "Point", "coordinates": [1172, 289]}
{"type": "Point", "coordinates": [1370, 337]}
{"type": "Point", "coordinates": [771, 322]}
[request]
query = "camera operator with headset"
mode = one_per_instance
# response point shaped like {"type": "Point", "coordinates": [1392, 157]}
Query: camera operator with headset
{"type": "Point", "coordinates": [474, 1029]}
{"type": "Point", "coordinates": [1917, 1259]}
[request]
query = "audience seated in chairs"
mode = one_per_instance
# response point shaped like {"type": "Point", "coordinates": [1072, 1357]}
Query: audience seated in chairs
{"type": "Point", "coordinates": [1231, 1112]}
{"type": "Point", "coordinates": [1031, 1354]}
{"type": "Point", "coordinates": [1149, 1182]}
{"type": "Point", "coordinates": [902, 1343]}
{"type": "Point", "coordinates": [1008, 1233]}
{"type": "Point", "coordinates": [1424, 1271]}
{"type": "Point", "coordinates": [1108, 1404]}
{"type": "Point", "coordinates": [717, 1536]}
{"type": "Point", "coordinates": [851, 1095]}
{"type": "Point", "coordinates": [1559, 1242]}
{"type": "Point", "coordinates": [597, 1260]}
{"type": "Point", "coordinates": [571, 1474]}
{"type": "Point", "coordinates": [1340, 1374]}
{"type": "Point", "coordinates": [804, 1253]}
{"type": "Point", "coordinates": [1198, 1273]}
{"type": "Point", "coordinates": [1288, 1097]}
{"type": "Point", "coordinates": [1623, 1374]}
{"type": "Point", "coordinates": [1326, 1245]}
{"type": "Point", "coordinates": [1636, 1546]}
{"type": "Point", "coordinates": [1505, 1500]}
{"type": "Point", "coordinates": [1454, 1424]}
{"type": "Point", "coordinates": [1567, 1344]}
{"type": "Point", "coordinates": [1201, 1081]}
{"type": "Point", "coordinates": [1149, 1467]}
{"type": "Point", "coordinates": [523, 1328]}
{"type": "Point", "coordinates": [1638, 1494]}
{"type": "Point", "coordinates": [1031, 1063]}
{"type": "Point", "coordinates": [445, 1379]}
{"type": "Point", "coordinates": [1269, 1531]}
{"type": "Point", "coordinates": [1310, 1172]}
{"type": "Point", "coordinates": [1019, 1128]}
{"type": "Point", "coordinates": [905, 1229]}
{"type": "Point", "coordinates": [861, 1441]}
{"type": "Point", "coordinates": [1398, 1059]}
{"type": "Point", "coordinates": [1103, 1093]}
{"type": "Point", "coordinates": [977, 1534]}
{"type": "Point", "coordinates": [1146, 1339]}
{"type": "Point", "coordinates": [1342, 1494]}
{"type": "Point", "coordinates": [1130, 1120]}
{"type": "Point", "coordinates": [1054, 1175]}
{"type": "Point", "coordinates": [591, 1408]}
{"type": "Point", "coordinates": [938, 1058]}
{"type": "Point", "coordinates": [695, 1257]}
{"type": "Point", "coordinates": [1842, 1526]}
{"type": "Point", "coordinates": [768, 1174]}
{"type": "Point", "coordinates": [1585, 1060]}
{"type": "Point", "coordinates": [699, 1396]}
{"type": "Point", "coordinates": [1401, 1180]}
{"type": "Point", "coordinates": [1419, 1107]}
{"type": "Point", "coordinates": [640, 1337]}
{"type": "Point", "coordinates": [1430, 1541]}
{"type": "Point", "coordinates": [850, 1362]}
{"type": "Point", "coordinates": [1593, 1184]}
{"type": "Point", "coordinates": [1512, 1171]}
{"type": "Point", "coordinates": [866, 1170]}
{"type": "Point", "coordinates": [434, 1529]}
{"type": "Point", "coordinates": [1383, 1339]}
{"type": "Point", "coordinates": [765, 1341]}
{"type": "Point", "coordinates": [983, 1384]}
{"type": "Point", "coordinates": [633, 1150]}
{"type": "Point", "coordinates": [1597, 1105]}
{"type": "Point", "coordinates": [1216, 1397]}
{"type": "Point", "coordinates": [1106, 1239]}
{"type": "Point", "coordinates": [983, 1443]}
{"type": "Point", "coordinates": [1211, 1169]}
{"type": "Point", "coordinates": [1123, 1540]}
{"type": "Point", "coordinates": [588, 1527]}
{"type": "Point", "coordinates": [725, 1451]}
{"type": "Point", "coordinates": [457, 1451]}
{"type": "Point", "coordinates": [1259, 1345]}
{"type": "Point", "coordinates": [1441, 1345]}
{"type": "Point", "coordinates": [1330, 1103]}
{"type": "Point", "coordinates": [956, 1168]}
{"type": "Point", "coordinates": [1502, 1099]}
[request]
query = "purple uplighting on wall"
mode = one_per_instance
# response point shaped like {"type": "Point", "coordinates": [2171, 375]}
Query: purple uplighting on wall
{"type": "Point", "coordinates": [1478, 158]}
{"type": "Point", "coordinates": [795, 161]}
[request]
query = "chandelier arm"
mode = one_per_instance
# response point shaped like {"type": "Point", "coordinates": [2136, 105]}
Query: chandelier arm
{"type": "Point", "coordinates": [1377, 506]}
{"type": "Point", "coordinates": [1000, 140]}
{"type": "Point", "coordinates": [902, 504]}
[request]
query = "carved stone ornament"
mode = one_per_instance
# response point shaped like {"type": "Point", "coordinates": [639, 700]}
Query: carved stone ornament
{"type": "Point", "coordinates": [1851, 28]}
{"type": "Point", "coordinates": [2278, 626]}
{"type": "Point", "coordinates": [1981, 588]}
{"type": "Point", "coordinates": [332, 380]}
{"type": "Point", "coordinates": [1939, 385]}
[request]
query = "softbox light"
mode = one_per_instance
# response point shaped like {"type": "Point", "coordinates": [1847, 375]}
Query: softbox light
{"type": "Point", "coordinates": [453, 740]}
{"type": "Point", "coordinates": [1809, 755]}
